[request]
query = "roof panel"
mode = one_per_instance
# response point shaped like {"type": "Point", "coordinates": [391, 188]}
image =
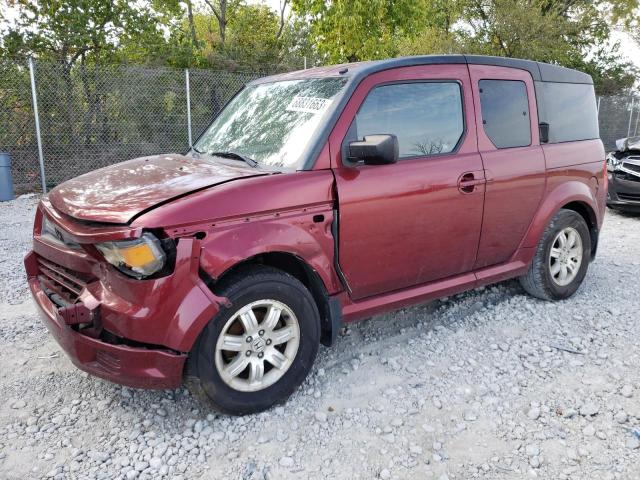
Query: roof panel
{"type": "Point", "coordinates": [356, 71]}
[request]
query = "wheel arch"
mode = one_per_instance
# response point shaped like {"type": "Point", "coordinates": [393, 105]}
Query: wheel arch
{"type": "Point", "coordinates": [328, 306]}
{"type": "Point", "coordinates": [572, 195]}
{"type": "Point", "coordinates": [589, 216]}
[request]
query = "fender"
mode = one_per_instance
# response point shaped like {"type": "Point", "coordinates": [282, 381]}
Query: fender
{"type": "Point", "coordinates": [176, 307]}
{"type": "Point", "coordinates": [305, 233]}
{"type": "Point", "coordinates": [563, 194]}
{"type": "Point", "coordinates": [197, 307]}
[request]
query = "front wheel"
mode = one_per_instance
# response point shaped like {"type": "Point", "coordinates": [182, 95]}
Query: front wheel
{"type": "Point", "coordinates": [256, 352]}
{"type": "Point", "coordinates": [562, 258]}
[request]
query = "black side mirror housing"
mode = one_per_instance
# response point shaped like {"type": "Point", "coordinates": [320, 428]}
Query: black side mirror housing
{"type": "Point", "coordinates": [375, 150]}
{"type": "Point", "coordinates": [544, 132]}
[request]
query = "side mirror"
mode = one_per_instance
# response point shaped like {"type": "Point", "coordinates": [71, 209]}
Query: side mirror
{"type": "Point", "coordinates": [375, 150]}
{"type": "Point", "coordinates": [544, 132]}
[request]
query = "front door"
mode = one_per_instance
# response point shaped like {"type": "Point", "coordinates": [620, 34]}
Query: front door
{"type": "Point", "coordinates": [418, 220]}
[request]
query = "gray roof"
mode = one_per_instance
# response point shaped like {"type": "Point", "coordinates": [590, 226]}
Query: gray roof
{"type": "Point", "coordinates": [544, 72]}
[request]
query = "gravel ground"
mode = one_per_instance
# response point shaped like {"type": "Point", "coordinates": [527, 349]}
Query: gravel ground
{"type": "Point", "coordinates": [487, 384]}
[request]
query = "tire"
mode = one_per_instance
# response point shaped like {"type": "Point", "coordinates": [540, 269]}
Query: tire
{"type": "Point", "coordinates": [542, 280]}
{"type": "Point", "coordinates": [255, 289]}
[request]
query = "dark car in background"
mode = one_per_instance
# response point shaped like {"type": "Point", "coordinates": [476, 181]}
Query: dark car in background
{"type": "Point", "coordinates": [623, 168]}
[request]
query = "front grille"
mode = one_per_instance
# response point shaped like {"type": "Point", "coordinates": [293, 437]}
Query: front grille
{"type": "Point", "coordinates": [63, 286]}
{"type": "Point", "coordinates": [631, 166]}
{"type": "Point", "coordinates": [628, 177]}
{"type": "Point", "coordinates": [629, 197]}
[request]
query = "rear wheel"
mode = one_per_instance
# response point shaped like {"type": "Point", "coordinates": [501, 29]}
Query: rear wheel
{"type": "Point", "coordinates": [562, 258]}
{"type": "Point", "coordinates": [257, 351]}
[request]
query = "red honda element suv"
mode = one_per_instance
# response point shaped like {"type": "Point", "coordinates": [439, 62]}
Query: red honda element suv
{"type": "Point", "coordinates": [315, 198]}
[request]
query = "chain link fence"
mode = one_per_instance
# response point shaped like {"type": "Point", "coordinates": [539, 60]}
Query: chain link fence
{"type": "Point", "coordinates": [619, 117]}
{"type": "Point", "coordinates": [93, 116]}
{"type": "Point", "coordinates": [17, 126]}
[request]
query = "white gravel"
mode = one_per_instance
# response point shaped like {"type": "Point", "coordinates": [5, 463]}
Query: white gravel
{"type": "Point", "coordinates": [488, 384]}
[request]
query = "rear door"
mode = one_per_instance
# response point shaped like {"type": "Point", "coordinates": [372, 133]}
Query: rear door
{"type": "Point", "coordinates": [418, 220]}
{"type": "Point", "coordinates": [509, 143]}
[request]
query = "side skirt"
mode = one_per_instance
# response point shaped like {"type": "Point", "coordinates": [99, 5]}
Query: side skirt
{"type": "Point", "coordinates": [376, 305]}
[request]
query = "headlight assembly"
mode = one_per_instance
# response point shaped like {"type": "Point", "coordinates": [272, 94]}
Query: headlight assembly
{"type": "Point", "coordinates": [138, 258]}
{"type": "Point", "coordinates": [613, 162]}
{"type": "Point", "coordinates": [56, 235]}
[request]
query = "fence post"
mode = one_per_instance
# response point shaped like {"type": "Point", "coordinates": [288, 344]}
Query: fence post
{"type": "Point", "coordinates": [633, 100]}
{"type": "Point", "coordinates": [188, 90]}
{"type": "Point", "coordinates": [36, 115]}
{"type": "Point", "coordinates": [598, 107]}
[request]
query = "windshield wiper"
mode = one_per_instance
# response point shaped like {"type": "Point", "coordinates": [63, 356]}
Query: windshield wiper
{"type": "Point", "coordinates": [237, 156]}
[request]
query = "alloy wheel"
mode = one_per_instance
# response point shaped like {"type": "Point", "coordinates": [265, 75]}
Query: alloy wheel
{"type": "Point", "coordinates": [565, 257]}
{"type": "Point", "coordinates": [257, 345]}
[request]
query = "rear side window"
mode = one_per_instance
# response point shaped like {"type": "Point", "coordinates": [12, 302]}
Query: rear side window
{"type": "Point", "coordinates": [425, 116]}
{"type": "Point", "coordinates": [505, 112]}
{"type": "Point", "coordinates": [570, 110]}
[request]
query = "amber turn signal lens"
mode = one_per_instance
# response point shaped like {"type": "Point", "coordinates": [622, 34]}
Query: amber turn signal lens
{"type": "Point", "coordinates": [138, 255]}
{"type": "Point", "coordinates": [138, 258]}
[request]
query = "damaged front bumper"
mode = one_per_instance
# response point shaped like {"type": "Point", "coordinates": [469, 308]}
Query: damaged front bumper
{"type": "Point", "coordinates": [624, 190]}
{"type": "Point", "coordinates": [130, 366]}
{"type": "Point", "coordinates": [132, 332]}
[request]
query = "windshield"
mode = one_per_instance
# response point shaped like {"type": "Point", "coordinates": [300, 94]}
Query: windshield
{"type": "Point", "coordinates": [272, 123]}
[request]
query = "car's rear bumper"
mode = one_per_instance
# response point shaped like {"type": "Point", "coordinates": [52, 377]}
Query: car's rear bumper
{"type": "Point", "coordinates": [624, 191]}
{"type": "Point", "coordinates": [132, 366]}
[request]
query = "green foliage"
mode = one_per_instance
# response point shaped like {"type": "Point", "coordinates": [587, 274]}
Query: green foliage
{"type": "Point", "coordinates": [296, 44]}
{"type": "Point", "coordinates": [72, 30]}
{"type": "Point", "coordinates": [573, 33]}
{"type": "Point", "coordinates": [251, 38]}
{"type": "Point", "coordinates": [237, 35]}
{"type": "Point", "coordinates": [431, 40]}
{"type": "Point", "coordinates": [352, 30]}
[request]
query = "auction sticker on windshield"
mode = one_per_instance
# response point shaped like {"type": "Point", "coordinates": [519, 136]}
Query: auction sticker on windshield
{"type": "Point", "coordinates": [308, 104]}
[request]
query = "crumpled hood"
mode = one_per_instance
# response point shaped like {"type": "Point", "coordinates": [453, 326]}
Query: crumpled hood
{"type": "Point", "coordinates": [118, 193]}
{"type": "Point", "coordinates": [627, 144]}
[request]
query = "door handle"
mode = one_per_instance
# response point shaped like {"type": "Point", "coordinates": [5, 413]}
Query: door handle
{"type": "Point", "coordinates": [468, 181]}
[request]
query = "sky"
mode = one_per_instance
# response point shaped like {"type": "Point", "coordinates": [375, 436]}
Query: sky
{"type": "Point", "coordinates": [628, 47]}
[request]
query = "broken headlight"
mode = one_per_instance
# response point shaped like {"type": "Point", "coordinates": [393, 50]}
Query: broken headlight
{"type": "Point", "coordinates": [613, 162]}
{"type": "Point", "coordinates": [53, 234]}
{"type": "Point", "coordinates": [138, 258]}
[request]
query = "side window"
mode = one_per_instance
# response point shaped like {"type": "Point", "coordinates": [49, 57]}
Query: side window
{"type": "Point", "coordinates": [425, 116]}
{"type": "Point", "coordinates": [570, 110]}
{"type": "Point", "coordinates": [505, 112]}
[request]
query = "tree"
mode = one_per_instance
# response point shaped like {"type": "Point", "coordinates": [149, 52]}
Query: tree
{"type": "Point", "coordinates": [192, 26]}
{"type": "Point", "coordinates": [514, 28]}
{"type": "Point", "coordinates": [297, 44]}
{"type": "Point", "coordinates": [352, 30]}
{"type": "Point", "coordinates": [572, 33]}
{"type": "Point", "coordinates": [253, 37]}
{"type": "Point", "coordinates": [234, 34]}
{"type": "Point", "coordinates": [72, 30]}
{"type": "Point", "coordinates": [282, 10]}
{"type": "Point", "coordinates": [223, 9]}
